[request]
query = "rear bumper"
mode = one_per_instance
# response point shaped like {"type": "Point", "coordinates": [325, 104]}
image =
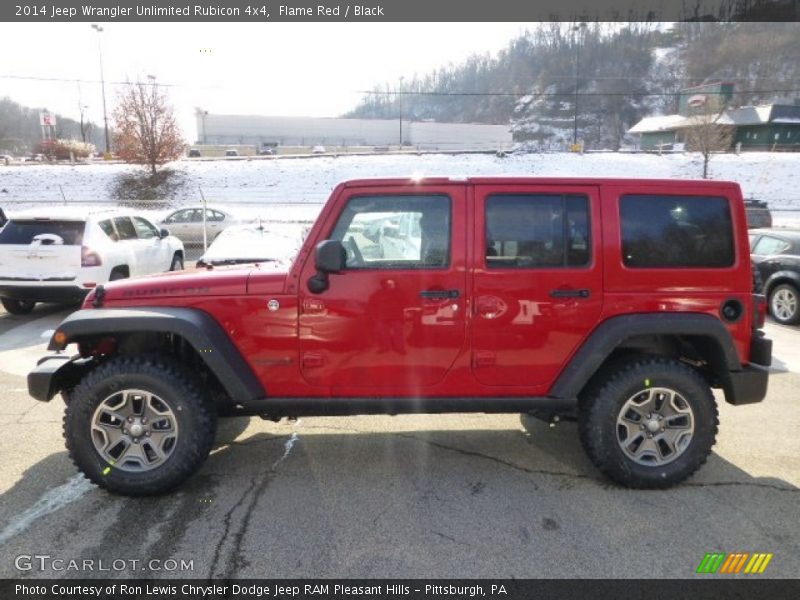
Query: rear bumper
{"type": "Point", "coordinates": [48, 293]}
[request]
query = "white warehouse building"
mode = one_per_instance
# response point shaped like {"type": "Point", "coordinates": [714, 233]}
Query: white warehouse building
{"type": "Point", "coordinates": [257, 130]}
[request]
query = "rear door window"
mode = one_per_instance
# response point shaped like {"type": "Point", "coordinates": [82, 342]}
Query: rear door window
{"type": "Point", "coordinates": [125, 228]}
{"type": "Point", "coordinates": [537, 231]}
{"type": "Point", "coordinates": [676, 231]}
{"type": "Point", "coordinates": [44, 231]}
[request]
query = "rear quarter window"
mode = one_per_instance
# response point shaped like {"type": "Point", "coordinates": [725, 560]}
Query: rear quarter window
{"type": "Point", "coordinates": [24, 232]}
{"type": "Point", "coordinates": [660, 231]}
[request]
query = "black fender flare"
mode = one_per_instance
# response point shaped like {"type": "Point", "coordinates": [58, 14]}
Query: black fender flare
{"type": "Point", "coordinates": [778, 276]}
{"type": "Point", "coordinates": [197, 327]}
{"type": "Point", "coordinates": [610, 334]}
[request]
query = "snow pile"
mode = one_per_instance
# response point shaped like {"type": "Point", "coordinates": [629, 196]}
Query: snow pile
{"type": "Point", "coordinates": [294, 189]}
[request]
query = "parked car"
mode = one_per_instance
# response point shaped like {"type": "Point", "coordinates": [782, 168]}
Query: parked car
{"type": "Point", "coordinates": [776, 255]}
{"type": "Point", "coordinates": [267, 151]}
{"type": "Point", "coordinates": [194, 153]}
{"type": "Point", "coordinates": [231, 152]}
{"type": "Point", "coordinates": [513, 301]}
{"type": "Point", "coordinates": [187, 223]}
{"type": "Point", "coordinates": [758, 215]}
{"type": "Point", "coordinates": [241, 244]}
{"type": "Point", "coordinates": [59, 255]}
{"type": "Point", "coordinates": [318, 150]}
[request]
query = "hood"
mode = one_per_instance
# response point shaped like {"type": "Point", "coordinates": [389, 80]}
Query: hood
{"type": "Point", "coordinates": [177, 284]}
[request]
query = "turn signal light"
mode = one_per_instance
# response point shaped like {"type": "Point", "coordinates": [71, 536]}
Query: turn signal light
{"type": "Point", "coordinates": [60, 338]}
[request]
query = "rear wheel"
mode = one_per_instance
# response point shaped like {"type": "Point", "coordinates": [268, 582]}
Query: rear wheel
{"type": "Point", "coordinates": [18, 307]}
{"type": "Point", "coordinates": [784, 304]}
{"type": "Point", "coordinates": [139, 426]}
{"type": "Point", "coordinates": [648, 423]}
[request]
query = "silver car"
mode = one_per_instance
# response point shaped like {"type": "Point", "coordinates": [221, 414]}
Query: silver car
{"type": "Point", "coordinates": [187, 223]}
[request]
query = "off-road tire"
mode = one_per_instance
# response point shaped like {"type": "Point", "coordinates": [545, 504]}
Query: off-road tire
{"type": "Point", "coordinates": [18, 307]}
{"type": "Point", "coordinates": [600, 405]}
{"type": "Point", "coordinates": [177, 263]}
{"type": "Point", "coordinates": [194, 411]}
{"type": "Point", "coordinates": [792, 319]}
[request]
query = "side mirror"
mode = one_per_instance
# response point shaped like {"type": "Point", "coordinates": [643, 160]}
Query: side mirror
{"type": "Point", "coordinates": [163, 232]}
{"type": "Point", "coordinates": [330, 257]}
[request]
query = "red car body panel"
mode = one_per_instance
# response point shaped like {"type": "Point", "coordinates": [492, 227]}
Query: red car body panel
{"type": "Point", "coordinates": [372, 334]}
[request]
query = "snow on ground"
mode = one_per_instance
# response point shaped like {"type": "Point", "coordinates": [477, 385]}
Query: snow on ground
{"type": "Point", "coordinates": [294, 189]}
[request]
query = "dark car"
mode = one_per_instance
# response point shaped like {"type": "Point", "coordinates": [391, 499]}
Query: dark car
{"type": "Point", "coordinates": [194, 153]}
{"type": "Point", "coordinates": [776, 255]}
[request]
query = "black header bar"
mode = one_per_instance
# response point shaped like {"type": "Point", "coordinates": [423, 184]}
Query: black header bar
{"type": "Point", "coordinates": [397, 10]}
{"type": "Point", "coordinates": [709, 587]}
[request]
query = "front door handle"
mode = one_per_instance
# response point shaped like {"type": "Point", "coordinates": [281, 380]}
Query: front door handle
{"type": "Point", "coordinates": [584, 293]}
{"type": "Point", "coordinates": [439, 294]}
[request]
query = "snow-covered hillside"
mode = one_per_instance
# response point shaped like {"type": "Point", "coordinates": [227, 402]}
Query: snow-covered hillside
{"type": "Point", "coordinates": [264, 185]}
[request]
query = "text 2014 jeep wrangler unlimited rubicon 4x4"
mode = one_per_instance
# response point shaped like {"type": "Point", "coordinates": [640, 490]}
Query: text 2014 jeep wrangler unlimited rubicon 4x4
{"type": "Point", "coordinates": [620, 303]}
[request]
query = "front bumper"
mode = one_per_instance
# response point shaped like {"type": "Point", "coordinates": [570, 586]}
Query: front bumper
{"type": "Point", "coordinates": [54, 373]}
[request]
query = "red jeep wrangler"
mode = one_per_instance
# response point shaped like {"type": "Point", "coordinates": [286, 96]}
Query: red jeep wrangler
{"type": "Point", "coordinates": [619, 303]}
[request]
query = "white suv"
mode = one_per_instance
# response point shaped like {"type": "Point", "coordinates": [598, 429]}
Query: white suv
{"type": "Point", "coordinates": [58, 256]}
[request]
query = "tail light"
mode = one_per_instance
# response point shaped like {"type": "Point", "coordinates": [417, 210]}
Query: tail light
{"type": "Point", "coordinates": [90, 258]}
{"type": "Point", "coordinates": [759, 311]}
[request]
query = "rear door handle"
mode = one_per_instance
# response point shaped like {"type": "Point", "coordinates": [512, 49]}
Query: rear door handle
{"type": "Point", "coordinates": [584, 293]}
{"type": "Point", "coordinates": [439, 294]}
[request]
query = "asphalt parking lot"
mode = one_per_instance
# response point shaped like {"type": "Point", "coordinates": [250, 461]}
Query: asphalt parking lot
{"type": "Point", "coordinates": [410, 496]}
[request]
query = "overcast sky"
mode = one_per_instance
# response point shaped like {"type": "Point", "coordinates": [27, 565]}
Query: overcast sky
{"type": "Point", "coordinates": [311, 69]}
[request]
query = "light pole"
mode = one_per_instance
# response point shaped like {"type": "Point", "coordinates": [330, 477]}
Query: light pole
{"type": "Point", "coordinates": [99, 30]}
{"type": "Point", "coordinates": [577, 28]}
{"type": "Point", "coordinates": [82, 107]}
{"type": "Point", "coordinates": [400, 102]}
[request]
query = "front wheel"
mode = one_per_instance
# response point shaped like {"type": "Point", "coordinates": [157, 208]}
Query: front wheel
{"type": "Point", "coordinates": [648, 423]}
{"type": "Point", "coordinates": [177, 263]}
{"type": "Point", "coordinates": [139, 426]}
{"type": "Point", "coordinates": [18, 307]}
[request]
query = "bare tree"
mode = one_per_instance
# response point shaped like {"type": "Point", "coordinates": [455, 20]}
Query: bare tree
{"type": "Point", "coordinates": [146, 132]}
{"type": "Point", "coordinates": [706, 134]}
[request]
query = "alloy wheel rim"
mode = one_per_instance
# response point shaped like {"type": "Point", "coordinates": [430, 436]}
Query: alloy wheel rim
{"type": "Point", "coordinates": [655, 426]}
{"type": "Point", "coordinates": [134, 430]}
{"type": "Point", "coordinates": [784, 304]}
